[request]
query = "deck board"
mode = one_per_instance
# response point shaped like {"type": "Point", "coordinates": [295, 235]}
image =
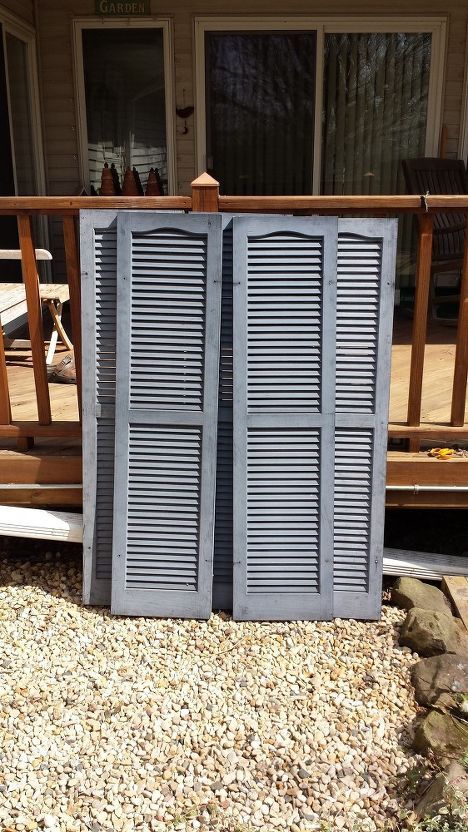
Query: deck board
{"type": "Point", "coordinates": [437, 383]}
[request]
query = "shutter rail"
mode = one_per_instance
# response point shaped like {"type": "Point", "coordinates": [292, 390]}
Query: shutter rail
{"type": "Point", "coordinates": [205, 197]}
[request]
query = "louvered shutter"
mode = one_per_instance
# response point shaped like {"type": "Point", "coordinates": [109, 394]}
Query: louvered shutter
{"type": "Point", "coordinates": [284, 296]}
{"type": "Point", "coordinates": [169, 301]}
{"type": "Point", "coordinates": [98, 244]}
{"type": "Point", "coordinates": [365, 296]}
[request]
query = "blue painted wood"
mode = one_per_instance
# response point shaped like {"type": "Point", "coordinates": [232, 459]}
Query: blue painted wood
{"type": "Point", "coordinates": [284, 297]}
{"type": "Point", "coordinates": [169, 304]}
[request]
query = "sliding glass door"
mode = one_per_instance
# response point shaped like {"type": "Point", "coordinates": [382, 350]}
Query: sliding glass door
{"type": "Point", "coordinates": [317, 109]}
{"type": "Point", "coordinates": [260, 110]}
{"type": "Point", "coordinates": [375, 109]}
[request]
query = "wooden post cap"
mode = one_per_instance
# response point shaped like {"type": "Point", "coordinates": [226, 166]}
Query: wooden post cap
{"type": "Point", "coordinates": [205, 181]}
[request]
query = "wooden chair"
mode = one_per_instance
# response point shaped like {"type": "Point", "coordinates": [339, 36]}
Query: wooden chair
{"type": "Point", "coordinates": [13, 305]}
{"type": "Point", "coordinates": [441, 176]}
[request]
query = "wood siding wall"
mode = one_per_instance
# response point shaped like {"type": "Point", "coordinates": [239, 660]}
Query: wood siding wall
{"type": "Point", "coordinates": [58, 90]}
{"type": "Point", "coordinates": [23, 9]}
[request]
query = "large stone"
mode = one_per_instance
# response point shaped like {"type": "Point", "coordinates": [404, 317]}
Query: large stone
{"type": "Point", "coordinates": [449, 789]}
{"type": "Point", "coordinates": [443, 734]}
{"type": "Point", "coordinates": [430, 633]}
{"type": "Point", "coordinates": [410, 592]}
{"type": "Point", "coordinates": [442, 681]}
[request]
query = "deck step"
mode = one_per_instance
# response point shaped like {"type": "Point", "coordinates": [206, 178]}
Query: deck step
{"type": "Point", "coordinates": [427, 566]}
{"type": "Point", "coordinates": [40, 524]}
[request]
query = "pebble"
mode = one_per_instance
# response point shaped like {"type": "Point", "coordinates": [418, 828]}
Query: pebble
{"type": "Point", "coordinates": [145, 725]}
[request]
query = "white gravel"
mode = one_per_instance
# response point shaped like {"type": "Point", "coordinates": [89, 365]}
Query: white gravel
{"type": "Point", "coordinates": [142, 724]}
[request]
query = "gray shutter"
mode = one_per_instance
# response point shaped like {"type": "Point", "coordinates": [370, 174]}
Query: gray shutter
{"type": "Point", "coordinates": [284, 365]}
{"type": "Point", "coordinates": [98, 238]}
{"type": "Point", "coordinates": [169, 301]}
{"type": "Point", "coordinates": [365, 296]}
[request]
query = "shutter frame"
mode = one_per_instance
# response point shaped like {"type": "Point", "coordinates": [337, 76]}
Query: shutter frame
{"type": "Point", "coordinates": [157, 601]}
{"type": "Point", "coordinates": [95, 417]}
{"type": "Point", "coordinates": [277, 605]}
{"type": "Point", "coordinates": [349, 603]}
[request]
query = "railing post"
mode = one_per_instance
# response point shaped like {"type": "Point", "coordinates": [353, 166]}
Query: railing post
{"type": "Point", "coordinates": [74, 285]}
{"type": "Point", "coordinates": [205, 193]}
{"type": "Point", "coordinates": [5, 406]}
{"type": "Point", "coordinates": [36, 333]}
{"type": "Point", "coordinates": [421, 305]}
{"type": "Point", "coordinates": [461, 351]}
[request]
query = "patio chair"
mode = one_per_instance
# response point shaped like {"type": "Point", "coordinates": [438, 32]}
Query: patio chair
{"type": "Point", "coordinates": [13, 305]}
{"type": "Point", "coordinates": [441, 176]}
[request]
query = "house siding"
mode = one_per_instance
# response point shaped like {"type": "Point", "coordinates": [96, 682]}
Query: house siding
{"type": "Point", "coordinates": [22, 9]}
{"type": "Point", "coordinates": [56, 58]}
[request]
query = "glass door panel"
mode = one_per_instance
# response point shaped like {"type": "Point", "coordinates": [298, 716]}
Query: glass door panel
{"type": "Point", "coordinates": [260, 102]}
{"type": "Point", "coordinates": [375, 109]}
{"type": "Point", "coordinates": [125, 101]}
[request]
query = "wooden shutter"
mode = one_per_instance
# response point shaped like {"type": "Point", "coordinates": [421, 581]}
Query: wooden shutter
{"type": "Point", "coordinates": [284, 365]}
{"type": "Point", "coordinates": [98, 236]}
{"type": "Point", "coordinates": [169, 301]}
{"type": "Point", "coordinates": [365, 296]}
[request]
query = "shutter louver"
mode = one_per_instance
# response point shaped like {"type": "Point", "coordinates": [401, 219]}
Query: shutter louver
{"type": "Point", "coordinates": [365, 293]}
{"type": "Point", "coordinates": [284, 364]}
{"type": "Point", "coordinates": [168, 358]}
{"type": "Point", "coordinates": [98, 234]}
{"type": "Point", "coordinates": [222, 562]}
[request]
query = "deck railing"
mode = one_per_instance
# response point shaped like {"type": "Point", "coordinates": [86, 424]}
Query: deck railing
{"type": "Point", "coordinates": [205, 197]}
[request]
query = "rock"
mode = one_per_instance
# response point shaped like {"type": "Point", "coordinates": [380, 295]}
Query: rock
{"type": "Point", "coordinates": [442, 681]}
{"type": "Point", "coordinates": [443, 734]}
{"type": "Point", "coordinates": [411, 592]}
{"type": "Point", "coordinates": [448, 789]}
{"type": "Point", "coordinates": [430, 633]}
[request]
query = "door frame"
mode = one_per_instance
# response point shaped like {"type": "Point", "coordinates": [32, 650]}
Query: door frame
{"type": "Point", "coordinates": [163, 23]}
{"type": "Point", "coordinates": [436, 26]}
{"type": "Point", "coordinates": [463, 140]}
{"type": "Point", "coordinates": [19, 29]}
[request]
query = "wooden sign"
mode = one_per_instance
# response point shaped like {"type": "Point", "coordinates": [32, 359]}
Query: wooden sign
{"type": "Point", "coordinates": [123, 8]}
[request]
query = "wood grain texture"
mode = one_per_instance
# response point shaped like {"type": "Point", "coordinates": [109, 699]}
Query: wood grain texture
{"type": "Point", "coordinates": [421, 303]}
{"type": "Point", "coordinates": [205, 193]}
{"type": "Point", "coordinates": [461, 354]}
{"type": "Point", "coordinates": [74, 283]}
{"type": "Point", "coordinates": [420, 469]}
{"type": "Point", "coordinates": [36, 332]}
{"type": "Point", "coordinates": [5, 406]}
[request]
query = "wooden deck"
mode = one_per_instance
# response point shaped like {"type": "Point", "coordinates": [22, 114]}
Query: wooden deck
{"type": "Point", "coordinates": [59, 461]}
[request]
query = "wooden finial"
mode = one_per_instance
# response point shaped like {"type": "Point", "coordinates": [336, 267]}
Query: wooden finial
{"type": "Point", "coordinates": [205, 193]}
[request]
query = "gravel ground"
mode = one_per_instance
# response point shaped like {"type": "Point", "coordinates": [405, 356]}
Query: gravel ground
{"type": "Point", "coordinates": [145, 724]}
